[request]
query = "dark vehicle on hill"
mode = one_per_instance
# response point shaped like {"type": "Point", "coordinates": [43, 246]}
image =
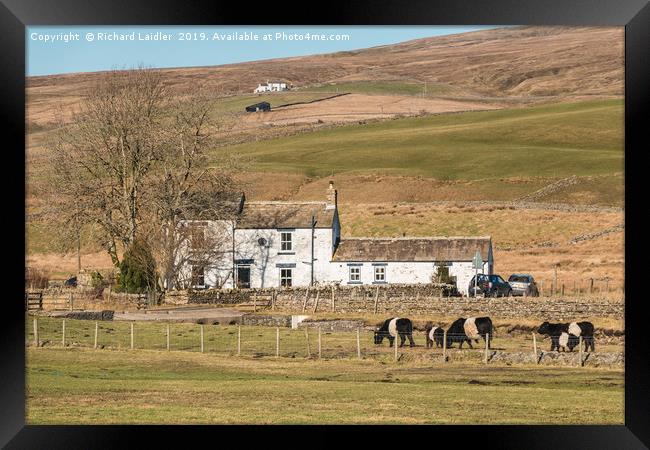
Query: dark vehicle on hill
{"type": "Point", "coordinates": [70, 282]}
{"type": "Point", "coordinates": [489, 286]}
{"type": "Point", "coordinates": [262, 106]}
{"type": "Point", "coordinates": [523, 284]}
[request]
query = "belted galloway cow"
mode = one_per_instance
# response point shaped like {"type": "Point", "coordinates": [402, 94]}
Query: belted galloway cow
{"type": "Point", "coordinates": [393, 327]}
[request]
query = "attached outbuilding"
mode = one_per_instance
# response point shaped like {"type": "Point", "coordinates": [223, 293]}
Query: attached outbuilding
{"type": "Point", "coordinates": [411, 260]}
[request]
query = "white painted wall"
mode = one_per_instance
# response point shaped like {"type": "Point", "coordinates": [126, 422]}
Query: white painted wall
{"type": "Point", "coordinates": [264, 269]}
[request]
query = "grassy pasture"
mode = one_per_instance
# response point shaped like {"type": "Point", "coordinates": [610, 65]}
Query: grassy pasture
{"type": "Point", "coordinates": [555, 140]}
{"type": "Point", "coordinates": [82, 386]}
{"type": "Point", "coordinates": [261, 341]}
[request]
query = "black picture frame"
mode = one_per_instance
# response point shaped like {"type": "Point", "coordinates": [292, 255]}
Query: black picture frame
{"type": "Point", "coordinates": [15, 15]}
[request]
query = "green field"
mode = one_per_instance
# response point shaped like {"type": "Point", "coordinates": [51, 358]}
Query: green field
{"type": "Point", "coordinates": [82, 386]}
{"type": "Point", "coordinates": [556, 140]}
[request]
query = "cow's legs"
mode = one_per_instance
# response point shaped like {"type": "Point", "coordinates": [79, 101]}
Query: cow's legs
{"type": "Point", "coordinates": [412, 343]}
{"type": "Point", "coordinates": [469, 342]}
{"type": "Point", "coordinates": [390, 340]}
{"type": "Point", "coordinates": [402, 338]}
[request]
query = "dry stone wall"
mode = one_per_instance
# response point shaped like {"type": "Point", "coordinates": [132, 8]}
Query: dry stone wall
{"type": "Point", "coordinates": [405, 299]}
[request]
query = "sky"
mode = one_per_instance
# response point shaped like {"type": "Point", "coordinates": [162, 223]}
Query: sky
{"type": "Point", "coordinates": [68, 49]}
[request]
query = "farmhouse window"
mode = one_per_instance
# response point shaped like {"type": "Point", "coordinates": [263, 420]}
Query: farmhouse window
{"type": "Point", "coordinates": [285, 241]}
{"type": "Point", "coordinates": [380, 273]}
{"type": "Point", "coordinates": [197, 237]}
{"type": "Point", "coordinates": [198, 276]}
{"type": "Point", "coordinates": [286, 276]}
{"type": "Point", "coordinates": [355, 273]}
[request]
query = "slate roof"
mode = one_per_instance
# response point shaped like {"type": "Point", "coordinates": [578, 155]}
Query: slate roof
{"type": "Point", "coordinates": [285, 215]}
{"type": "Point", "coordinates": [453, 248]}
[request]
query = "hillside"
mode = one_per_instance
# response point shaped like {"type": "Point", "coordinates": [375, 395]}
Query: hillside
{"type": "Point", "coordinates": [517, 62]}
{"type": "Point", "coordinates": [583, 138]}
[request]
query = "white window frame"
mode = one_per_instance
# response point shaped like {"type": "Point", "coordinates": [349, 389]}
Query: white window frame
{"type": "Point", "coordinates": [355, 273]}
{"type": "Point", "coordinates": [286, 245]}
{"type": "Point", "coordinates": [382, 270]}
{"type": "Point", "coordinates": [286, 274]}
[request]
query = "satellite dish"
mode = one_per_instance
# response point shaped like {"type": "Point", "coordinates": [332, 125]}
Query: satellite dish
{"type": "Point", "coordinates": [261, 241]}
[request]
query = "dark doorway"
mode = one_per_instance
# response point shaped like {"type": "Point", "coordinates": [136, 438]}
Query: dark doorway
{"type": "Point", "coordinates": [243, 277]}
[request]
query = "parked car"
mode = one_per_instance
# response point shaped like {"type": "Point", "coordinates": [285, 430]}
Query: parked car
{"type": "Point", "coordinates": [489, 286]}
{"type": "Point", "coordinates": [523, 284]}
{"type": "Point", "coordinates": [70, 282]}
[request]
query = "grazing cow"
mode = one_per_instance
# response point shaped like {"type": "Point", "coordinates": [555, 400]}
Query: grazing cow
{"type": "Point", "coordinates": [464, 330]}
{"type": "Point", "coordinates": [434, 335]}
{"type": "Point", "coordinates": [576, 329]}
{"type": "Point", "coordinates": [392, 327]}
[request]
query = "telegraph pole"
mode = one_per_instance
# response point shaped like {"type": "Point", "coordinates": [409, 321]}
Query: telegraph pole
{"type": "Point", "coordinates": [313, 228]}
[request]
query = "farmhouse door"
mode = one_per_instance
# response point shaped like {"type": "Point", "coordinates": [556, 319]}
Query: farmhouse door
{"type": "Point", "coordinates": [243, 277]}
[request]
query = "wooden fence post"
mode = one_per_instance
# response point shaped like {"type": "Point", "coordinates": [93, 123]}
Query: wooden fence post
{"type": "Point", "coordinates": [580, 351]}
{"type": "Point", "coordinates": [132, 335]}
{"type": "Point", "coordinates": [238, 340]}
{"type": "Point", "coordinates": [255, 302]}
{"type": "Point", "coordinates": [395, 340]}
{"type": "Point", "coordinates": [168, 346]}
{"type": "Point", "coordinates": [574, 287]}
{"type": "Point", "coordinates": [376, 299]}
{"type": "Point", "coordinates": [607, 287]}
{"type": "Point", "coordinates": [541, 288]}
{"type": "Point", "coordinates": [277, 342]}
{"type": "Point", "coordinates": [332, 298]}
{"type": "Point", "coordinates": [36, 331]}
{"type": "Point", "coordinates": [591, 286]}
{"type": "Point", "coordinates": [562, 291]}
{"type": "Point", "coordinates": [444, 346]}
{"type": "Point", "coordinates": [319, 342]}
{"type": "Point", "coordinates": [304, 303]}
{"type": "Point", "coordinates": [273, 300]}
{"type": "Point", "coordinates": [63, 330]}
{"type": "Point", "coordinates": [71, 301]}
{"type": "Point", "coordinates": [201, 338]}
{"type": "Point", "coordinates": [358, 344]}
{"type": "Point", "coordinates": [307, 338]}
{"type": "Point", "coordinates": [96, 331]}
{"type": "Point", "coordinates": [534, 346]}
{"type": "Point", "coordinates": [487, 345]}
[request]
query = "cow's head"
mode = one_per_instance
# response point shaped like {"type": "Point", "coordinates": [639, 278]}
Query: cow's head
{"type": "Point", "coordinates": [379, 337]}
{"type": "Point", "coordinates": [543, 328]}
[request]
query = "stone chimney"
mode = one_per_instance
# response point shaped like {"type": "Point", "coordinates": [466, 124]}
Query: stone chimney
{"type": "Point", "coordinates": [331, 196]}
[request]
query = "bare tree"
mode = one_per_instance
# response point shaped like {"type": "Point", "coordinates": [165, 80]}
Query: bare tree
{"type": "Point", "coordinates": [132, 165]}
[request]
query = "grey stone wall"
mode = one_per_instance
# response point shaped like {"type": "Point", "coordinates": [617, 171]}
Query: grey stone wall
{"type": "Point", "coordinates": [406, 299]}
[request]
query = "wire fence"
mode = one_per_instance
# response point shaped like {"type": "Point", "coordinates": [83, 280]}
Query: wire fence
{"type": "Point", "coordinates": [263, 341]}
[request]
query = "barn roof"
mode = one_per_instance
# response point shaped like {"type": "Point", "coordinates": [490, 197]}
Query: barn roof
{"type": "Point", "coordinates": [285, 215]}
{"type": "Point", "coordinates": [453, 248]}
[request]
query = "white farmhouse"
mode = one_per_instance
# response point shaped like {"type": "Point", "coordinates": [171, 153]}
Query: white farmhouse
{"type": "Point", "coordinates": [271, 86]}
{"type": "Point", "coordinates": [275, 244]}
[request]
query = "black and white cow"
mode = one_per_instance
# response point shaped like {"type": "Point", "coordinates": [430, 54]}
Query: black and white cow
{"type": "Point", "coordinates": [573, 332]}
{"type": "Point", "coordinates": [434, 335]}
{"type": "Point", "coordinates": [464, 330]}
{"type": "Point", "coordinates": [392, 327]}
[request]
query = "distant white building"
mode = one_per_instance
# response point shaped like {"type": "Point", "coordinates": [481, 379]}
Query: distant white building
{"type": "Point", "coordinates": [274, 244]}
{"type": "Point", "coordinates": [271, 86]}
